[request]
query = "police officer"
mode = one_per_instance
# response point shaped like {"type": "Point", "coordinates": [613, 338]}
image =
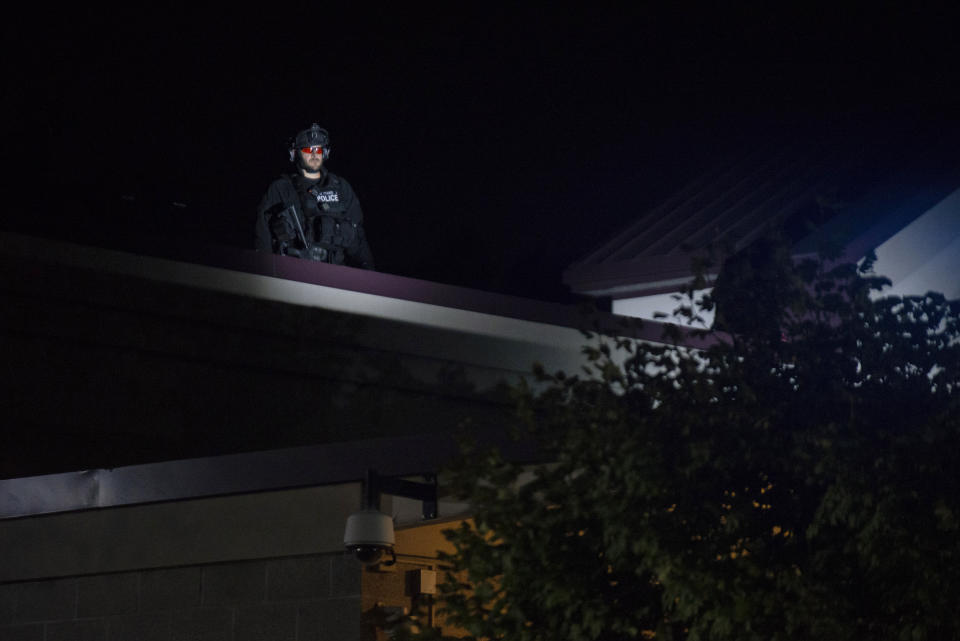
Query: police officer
{"type": "Point", "coordinates": [314, 213]}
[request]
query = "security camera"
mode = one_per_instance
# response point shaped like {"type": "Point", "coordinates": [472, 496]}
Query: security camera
{"type": "Point", "coordinates": [369, 533]}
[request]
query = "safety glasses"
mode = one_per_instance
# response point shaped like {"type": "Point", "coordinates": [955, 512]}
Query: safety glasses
{"type": "Point", "coordinates": [317, 149]}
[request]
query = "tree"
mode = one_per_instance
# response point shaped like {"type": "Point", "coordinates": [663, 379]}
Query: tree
{"type": "Point", "coordinates": [794, 484]}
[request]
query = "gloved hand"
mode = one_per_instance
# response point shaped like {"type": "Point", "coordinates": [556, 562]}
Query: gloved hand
{"type": "Point", "coordinates": [312, 252]}
{"type": "Point", "coordinates": [316, 252]}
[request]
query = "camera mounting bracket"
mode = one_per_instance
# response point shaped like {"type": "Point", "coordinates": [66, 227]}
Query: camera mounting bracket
{"type": "Point", "coordinates": [426, 492]}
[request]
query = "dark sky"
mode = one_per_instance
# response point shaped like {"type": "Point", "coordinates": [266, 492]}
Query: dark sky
{"type": "Point", "coordinates": [490, 147]}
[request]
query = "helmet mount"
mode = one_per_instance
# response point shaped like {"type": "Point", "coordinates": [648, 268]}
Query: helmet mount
{"type": "Point", "coordinates": [315, 136]}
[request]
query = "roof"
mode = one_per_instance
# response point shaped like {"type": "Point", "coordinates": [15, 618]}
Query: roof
{"type": "Point", "coordinates": [777, 183]}
{"type": "Point", "coordinates": [219, 352]}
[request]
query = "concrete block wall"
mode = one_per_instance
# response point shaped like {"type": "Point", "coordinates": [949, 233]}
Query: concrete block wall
{"type": "Point", "coordinates": [305, 598]}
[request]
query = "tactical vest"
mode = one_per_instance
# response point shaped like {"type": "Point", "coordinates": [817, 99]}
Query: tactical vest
{"type": "Point", "coordinates": [324, 206]}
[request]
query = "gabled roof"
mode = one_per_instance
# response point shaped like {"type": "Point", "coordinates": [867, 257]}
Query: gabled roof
{"type": "Point", "coordinates": [735, 203]}
{"type": "Point", "coordinates": [868, 195]}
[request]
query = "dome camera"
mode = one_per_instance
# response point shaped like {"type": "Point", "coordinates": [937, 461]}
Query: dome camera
{"type": "Point", "coordinates": [368, 535]}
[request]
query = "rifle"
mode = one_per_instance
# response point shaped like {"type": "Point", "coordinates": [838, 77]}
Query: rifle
{"type": "Point", "coordinates": [291, 218]}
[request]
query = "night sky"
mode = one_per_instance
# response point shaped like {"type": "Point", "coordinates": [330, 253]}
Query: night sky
{"type": "Point", "coordinates": [490, 147]}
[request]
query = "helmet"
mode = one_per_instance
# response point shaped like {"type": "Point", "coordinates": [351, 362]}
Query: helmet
{"type": "Point", "coordinates": [312, 137]}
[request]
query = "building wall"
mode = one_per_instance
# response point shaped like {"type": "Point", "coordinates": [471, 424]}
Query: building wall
{"type": "Point", "coordinates": [255, 526]}
{"type": "Point", "coordinates": [303, 598]}
{"type": "Point", "coordinates": [267, 565]}
{"type": "Point", "coordinates": [262, 593]}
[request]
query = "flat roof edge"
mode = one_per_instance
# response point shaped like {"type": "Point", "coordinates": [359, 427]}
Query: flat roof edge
{"type": "Point", "coordinates": [232, 474]}
{"type": "Point", "coordinates": [344, 289]}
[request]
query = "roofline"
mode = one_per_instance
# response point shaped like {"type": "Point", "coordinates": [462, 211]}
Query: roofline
{"type": "Point", "coordinates": [672, 286]}
{"type": "Point", "coordinates": [344, 289]}
{"type": "Point", "coordinates": [231, 474]}
{"type": "Point", "coordinates": [667, 273]}
{"type": "Point", "coordinates": [604, 271]}
{"type": "Point", "coordinates": [637, 277]}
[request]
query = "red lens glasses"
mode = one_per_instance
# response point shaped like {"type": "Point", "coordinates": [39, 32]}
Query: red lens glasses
{"type": "Point", "coordinates": [317, 149]}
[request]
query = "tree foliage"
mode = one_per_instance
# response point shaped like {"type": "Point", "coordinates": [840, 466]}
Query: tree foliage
{"type": "Point", "coordinates": [788, 484]}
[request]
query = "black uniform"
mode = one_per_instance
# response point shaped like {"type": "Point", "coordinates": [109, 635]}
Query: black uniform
{"type": "Point", "coordinates": [329, 214]}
